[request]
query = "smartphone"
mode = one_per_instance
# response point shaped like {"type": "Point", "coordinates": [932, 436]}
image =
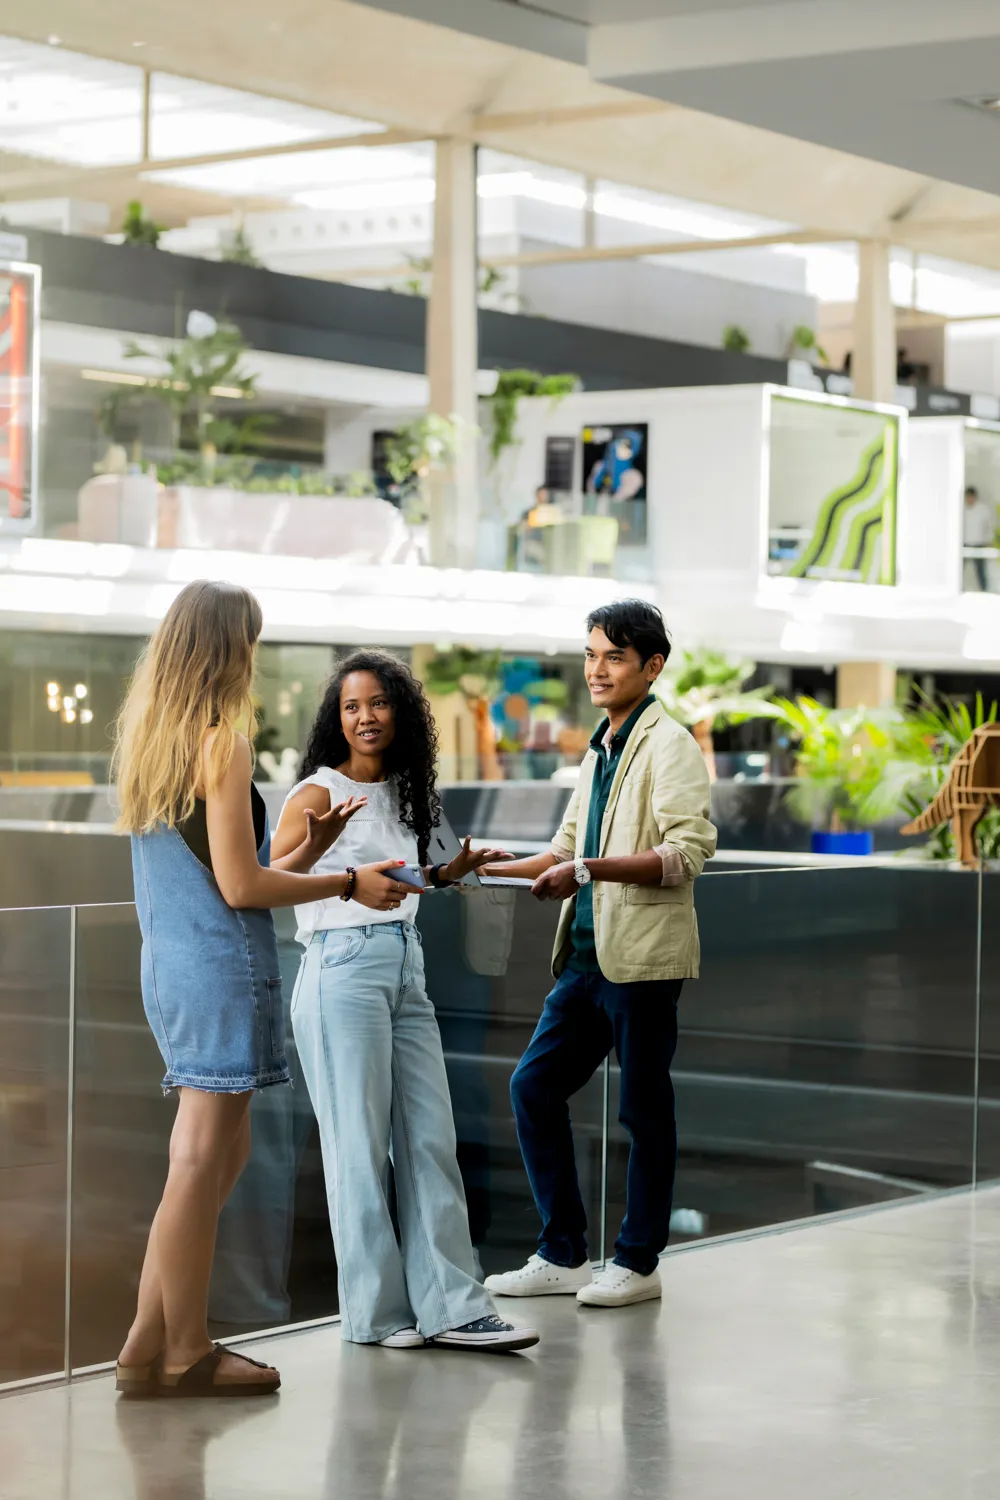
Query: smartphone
{"type": "Point", "coordinates": [411, 874]}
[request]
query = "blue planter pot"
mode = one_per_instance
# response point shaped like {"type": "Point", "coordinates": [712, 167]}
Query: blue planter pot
{"type": "Point", "coordinates": [862, 842]}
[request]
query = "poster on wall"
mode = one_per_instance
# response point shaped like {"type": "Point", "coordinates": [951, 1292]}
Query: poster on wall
{"type": "Point", "coordinates": [615, 469]}
{"type": "Point", "coordinates": [832, 492]}
{"type": "Point", "coordinates": [615, 461]}
{"type": "Point", "coordinates": [18, 396]}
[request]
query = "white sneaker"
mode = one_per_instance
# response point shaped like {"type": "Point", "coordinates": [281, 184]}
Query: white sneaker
{"type": "Point", "coordinates": [489, 1333]}
{"type": "Point", "coordinates": [404, 1338]}
{"type": "Point", "coordinates": [617, 1286]}
{"type": "Point", "coordinates": [540, 1278]}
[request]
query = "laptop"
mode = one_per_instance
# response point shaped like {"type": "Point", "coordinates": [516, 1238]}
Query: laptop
{"type": "Point", "coordinates": [445, 845]}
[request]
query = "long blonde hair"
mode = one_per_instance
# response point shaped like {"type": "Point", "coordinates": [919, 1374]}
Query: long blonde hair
{"type": "Point", "coordinates": [195, 674]}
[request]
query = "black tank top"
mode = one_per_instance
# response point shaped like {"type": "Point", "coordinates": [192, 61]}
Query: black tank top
{"type": "Point", "coordinates": [194, 830]}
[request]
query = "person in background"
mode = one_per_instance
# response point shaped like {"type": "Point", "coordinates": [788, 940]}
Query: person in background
{"type": "Point", "coordinates": [367, 1034]}
{"type": "Point", "coordinates": [635, 836]}
{"type": "Point", "coordinates": [979, 529]}
{"type": "Point", "coordinates": [210, 980]}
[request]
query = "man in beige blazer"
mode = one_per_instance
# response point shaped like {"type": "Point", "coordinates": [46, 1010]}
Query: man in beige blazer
{"type": "Point", "coordinates": [634, 839]}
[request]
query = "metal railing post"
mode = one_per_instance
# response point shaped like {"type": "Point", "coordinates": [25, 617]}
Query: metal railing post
{"type": "Point", "coordinates": [70, 1113]}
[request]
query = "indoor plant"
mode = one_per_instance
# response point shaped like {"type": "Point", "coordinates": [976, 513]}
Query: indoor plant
{"type": "Point", "coordinates": [477, 676]}
{"type": "Point", "coordinates": [735, 339]}
{"type": "Point", "coordinates": [923, 743]}
{"type": "Point", "coordinates": [804, 341]}
{"type": "Point", "coordinates": [510, 387]}
{"type": "Point", "coordinates": [705, 688]}
{"type": "Point", "coordinates": [840, 760]}
{"type": "Point", "coordinates": [427, 445]}
{"type": "Point", "coordinates": [208, 359]}
{"type": "Point", "coordinates": [137, 229]}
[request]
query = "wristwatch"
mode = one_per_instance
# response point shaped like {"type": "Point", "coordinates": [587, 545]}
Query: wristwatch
{"type": "Point", "coordinates": [581, 873]}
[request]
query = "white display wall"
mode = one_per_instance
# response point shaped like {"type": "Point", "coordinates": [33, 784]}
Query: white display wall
{"type": "Point", "coordinates": [709, 467]}
{"type": "Point", "coordinates": [950, 454]}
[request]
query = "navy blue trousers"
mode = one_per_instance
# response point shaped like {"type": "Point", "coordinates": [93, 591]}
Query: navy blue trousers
{"type": "Point", "coordinates": [583, 1018]}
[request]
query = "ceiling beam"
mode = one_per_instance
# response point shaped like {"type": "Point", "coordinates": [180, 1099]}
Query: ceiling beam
{"type": "Point", "coordinates": [31, 184]}
{"type": "Point", "coordinates": [583, 114]}
{"type": "Point", "coordinates": [980, 224]}
{"type": "Point", "coordinates": [664, 247]}
{"type": "Point", "coordinates": [588, 253]}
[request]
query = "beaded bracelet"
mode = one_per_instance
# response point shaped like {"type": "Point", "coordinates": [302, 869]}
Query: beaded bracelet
{"type": "Point", "coordinates": [352, 880]}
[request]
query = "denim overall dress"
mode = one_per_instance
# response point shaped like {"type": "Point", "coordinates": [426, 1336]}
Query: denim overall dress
{"type": "Point", "coordinates": [211, 985]}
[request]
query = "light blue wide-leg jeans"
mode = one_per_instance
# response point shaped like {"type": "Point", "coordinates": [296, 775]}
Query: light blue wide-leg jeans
{"type": "Point", "coordinates": [371, 1053]}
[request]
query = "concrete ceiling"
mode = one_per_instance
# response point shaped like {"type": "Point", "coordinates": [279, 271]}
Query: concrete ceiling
{"type": "Point", "coordinates": [890, 80]}
{"type": "Point", "coordinates": [516, 87]}
{"type": "Point", "coordinates": [595, 12]}
{"type": "Point", "coordinates": [895, 81]}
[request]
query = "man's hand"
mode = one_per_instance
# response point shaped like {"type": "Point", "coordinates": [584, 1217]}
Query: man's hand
{"type": "Point", "coordinates": [556, 884]}
{"type": "Point", "coordinates": [323, 830]}
{"type": "Point", "coordinates": [471, 860]}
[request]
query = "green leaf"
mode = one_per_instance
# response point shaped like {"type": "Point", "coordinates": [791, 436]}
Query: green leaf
{"type": "Point", "coordinates": [510, 387]}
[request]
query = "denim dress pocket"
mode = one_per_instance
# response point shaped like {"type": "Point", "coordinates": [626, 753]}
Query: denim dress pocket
{"type": "Point", "coordinates": [276, 1017]}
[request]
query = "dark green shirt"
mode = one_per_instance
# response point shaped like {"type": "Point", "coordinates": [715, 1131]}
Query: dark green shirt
{"type": "Point", "coordinates": [584, 943]}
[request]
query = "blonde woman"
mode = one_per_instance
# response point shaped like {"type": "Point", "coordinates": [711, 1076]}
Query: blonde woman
{"type": "Point", "coordinates": [210, 978]}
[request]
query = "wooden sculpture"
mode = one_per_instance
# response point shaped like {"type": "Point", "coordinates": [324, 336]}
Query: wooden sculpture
{"type": "Point", "coordinates": [973, 786]}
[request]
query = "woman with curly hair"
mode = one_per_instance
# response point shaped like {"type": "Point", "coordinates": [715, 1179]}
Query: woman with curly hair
{"type": "Point", "coordinates": [366, 1031]}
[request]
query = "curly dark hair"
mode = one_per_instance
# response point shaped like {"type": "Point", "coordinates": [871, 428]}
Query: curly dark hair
{"type": "Point", "coordinates": [412, 755]}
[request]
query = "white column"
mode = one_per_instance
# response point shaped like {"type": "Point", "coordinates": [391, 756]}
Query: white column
{"type": "Point", "coordinates": [867, 684]}
{"type": "Point", "coordinates": [590, 215]}
{"type": "Point", "coordinates": [453, 349]}
{"type": "Point", "coordinates": [873, 361]}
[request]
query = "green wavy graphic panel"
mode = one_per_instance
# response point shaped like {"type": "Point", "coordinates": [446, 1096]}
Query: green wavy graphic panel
{"type": "Point", "coordinates": [855, 532]}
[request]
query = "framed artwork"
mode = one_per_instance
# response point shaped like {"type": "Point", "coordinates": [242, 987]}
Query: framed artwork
{"type": "Point", "coordinates": [19, 396]}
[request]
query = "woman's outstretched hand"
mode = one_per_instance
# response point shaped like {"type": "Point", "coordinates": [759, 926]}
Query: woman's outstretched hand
{"type": "Point", "coordinates": [470, 860]}
{"type": "Point", "coordinates": [324, 829]}
{"type": "Point", "coordinates": [375, 887]}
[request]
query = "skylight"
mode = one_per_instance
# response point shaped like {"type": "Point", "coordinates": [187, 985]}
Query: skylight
{"type": "Point", "coordinates": [189, 118]}
{"type": "Point", "coordinates": [304, 178]}
{"type": "Point", "coordinates": [66, 107]}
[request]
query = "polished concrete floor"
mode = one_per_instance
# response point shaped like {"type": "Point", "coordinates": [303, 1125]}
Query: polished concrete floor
{"type": "Point", "coordinates": [853, 1358]}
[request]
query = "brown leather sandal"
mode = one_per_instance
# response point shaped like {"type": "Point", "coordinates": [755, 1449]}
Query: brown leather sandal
{"type": "Point", "coordinates": [200, 1379]}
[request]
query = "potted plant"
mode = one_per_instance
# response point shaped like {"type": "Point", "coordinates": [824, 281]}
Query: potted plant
{"type": "Point", "coordinates": [704, 689]}
{"type": "Point", "coordinates": [735, 339]}
{"type": "Point", "coordinates": [803, 340]}
{"type": "Point", "coordinates": [137, 229]}
{"type": "Point", "coordinates": [413, 453]}
{"type": "Point", "coordinates": [208, 359]}
{"type": "Point", "coordinates": [237, 248]}
{"type": "Point", "coordinates": [841, 757]}
{"type": "Point", "coordinates": [924, 742]}
{"type": "Point", "coordinates": [213, 494]}
{"type": "Point", "coordinates": [477, 676]}
{"type": "Point", "coordinates": [511, 386]}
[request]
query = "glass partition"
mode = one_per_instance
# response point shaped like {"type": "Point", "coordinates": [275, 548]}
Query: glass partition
{"type": "Point", "coordinates": [487, 960]}
{"type": "Point", "coordinates": [827, 1055]}
{"type": "Point", "coordinates": [828, 1059]}
{"type": "Point", "coordinates": [35, 987]}
{"type": "Point", "coordinates": [121, 1129]}
{"type": "Point", "coordinates": [988, 1051]}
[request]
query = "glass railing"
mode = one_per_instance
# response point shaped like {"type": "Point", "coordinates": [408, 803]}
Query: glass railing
{"type": "Point", "coordinates": [840, 1050]}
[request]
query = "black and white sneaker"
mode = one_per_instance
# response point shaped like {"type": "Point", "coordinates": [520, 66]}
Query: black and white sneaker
{"type": "Point", "coordinates": [490, 1333]}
